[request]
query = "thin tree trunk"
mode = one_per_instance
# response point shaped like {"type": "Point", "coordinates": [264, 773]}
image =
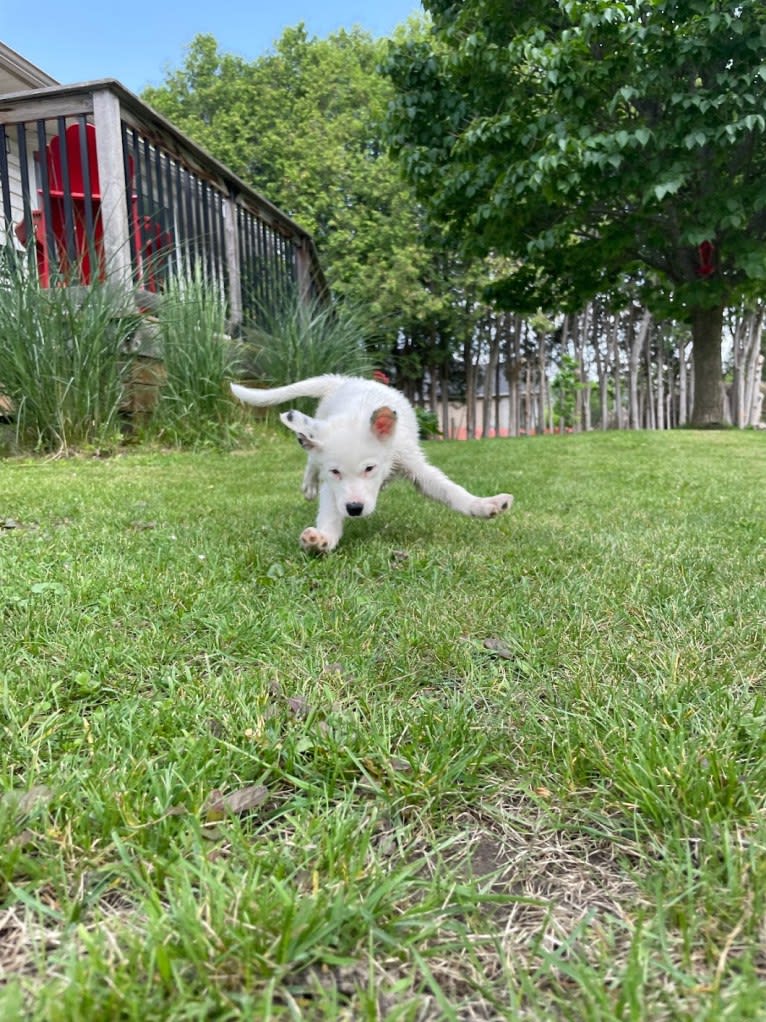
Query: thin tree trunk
{"type": "Point", "coordinates": [747, 349]}
{"type": "Point", "coordinates": [528, 400]}
{"type": "Point", "coordinates": [753, 371]}
{"type": "Point", "coordinates": [637, 343]}
{"type": "Point", "coordinates": [614, 350]}
{"type": "Point", "coordinates": [651, 422]}
{"type": "Point", "coordinates": [739, 344]}
{"type": "Point", "coordinates": [540, 422]}
{"type": "Point", "coordinates": [756, 399]}
{"type": "Point", "coordinates": [445, 399]}
{"type": "Point", "coordinates": [682, 384]}
{"type": "Point", "coordinates": [470, 390]}
{"type": "Point", "coordinates": [707, 325]}
{"type": "Point", "coordinates": [579, 326]}
{"type": "Point", "coordinates": [512, 329]}
{"type": "Point", "coordinates": [588, 383]}
{"type": "Point", "coordinates": [660, 385]}
{"type": "Point", "coordinates": [601, 359]}
{"type": "Point", "coordinates": [489, 379]}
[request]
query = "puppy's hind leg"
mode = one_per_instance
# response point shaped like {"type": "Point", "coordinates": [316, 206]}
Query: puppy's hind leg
{"type": "Point", "coordinates": [433, 483]}
{"type": "Point", "coordinates": [310, 485]}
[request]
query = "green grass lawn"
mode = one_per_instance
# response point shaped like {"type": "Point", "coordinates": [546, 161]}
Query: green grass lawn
{"type": "Point", "coordinates": [456, 770]}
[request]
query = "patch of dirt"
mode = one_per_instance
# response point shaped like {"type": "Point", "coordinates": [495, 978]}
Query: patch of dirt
{"type": "Point", "coordinates": [551, 896]}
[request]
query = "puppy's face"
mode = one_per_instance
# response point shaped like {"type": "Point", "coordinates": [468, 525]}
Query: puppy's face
{"type": "Point", "coordinates": [353, 458]}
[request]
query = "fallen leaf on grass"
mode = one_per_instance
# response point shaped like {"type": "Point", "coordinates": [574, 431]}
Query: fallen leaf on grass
{"type": "Point", "coordinates": [499, 648]}
{"type": "Point", "coordinates": [23, 839]}
{"type": "Point", "coordinates": [340, 672]}
{"type": "Point", "coordinates": [24, 802]}
{"type": "Point", "coordinates": [298, 705]}
{"type": "Point", "coordinates": [235, 803]}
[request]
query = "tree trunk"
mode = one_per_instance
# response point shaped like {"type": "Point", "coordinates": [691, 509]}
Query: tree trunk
{"type": "Point", "coordinates": [753, 372]}
{"type": "Point", "coordinates": [470, 390]}
{"type": "Point", "coordinates": [738, 376]}
{"type": "Point", "coordinates": [707, 325]}
{"type": "Point", "coordinates": [579, 327]}
{"type": "Point", "coordinates": [747, 375]}
{"type": "Point", "coordinates": [445, 399]}
{"type": "Point", "coordinates": [528, 399]}
{"type": "Point", "coordinates": [650, 419]}
{"type": "Point", "coordinates": [637, 341]}
{"type": "Point", "coordinates": [512, 329]}
{"type": "Point", "coordinates": [601, 361]}
{"type": "Point", "coordinates": [490, 381]}
{"type": "Point", "coordinates": [540, 423]}
{"type": "Point", "coordinates": [614, 355]}
{"type": "Point", "coordinates": [683, 396]}
{"type": "Point", "coordinates": [660, 418]}
{"type": "Point", "coordinates": [756, 394]}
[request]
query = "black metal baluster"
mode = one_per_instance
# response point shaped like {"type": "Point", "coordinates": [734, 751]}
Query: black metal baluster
{"type": "Point", "coordinates": [70, 242]}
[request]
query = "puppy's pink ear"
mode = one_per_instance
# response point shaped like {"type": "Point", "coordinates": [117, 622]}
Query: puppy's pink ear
{"type": "Point", "coordinates": [383, 421]}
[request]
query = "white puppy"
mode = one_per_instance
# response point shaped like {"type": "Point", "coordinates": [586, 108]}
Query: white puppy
{"type": "Point", "coordinates": [362, 434]}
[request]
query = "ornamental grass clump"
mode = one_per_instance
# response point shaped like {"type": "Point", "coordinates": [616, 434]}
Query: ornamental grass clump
{"type": "Point", "coordinates": [62, 359]}
{"type": "Point", "coordinates": [199, 359]}
{"type": "Point", "coordinates": [299, 338]}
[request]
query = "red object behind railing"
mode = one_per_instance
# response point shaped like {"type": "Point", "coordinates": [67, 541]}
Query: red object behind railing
{"type": "Point", "coordinates": [79, 250]}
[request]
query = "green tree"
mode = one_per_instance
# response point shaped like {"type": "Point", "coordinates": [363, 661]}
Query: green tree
{"type": "Point", "coordinates": [302, 125]}
{"type": "Point", "coordinates": [594, 140]}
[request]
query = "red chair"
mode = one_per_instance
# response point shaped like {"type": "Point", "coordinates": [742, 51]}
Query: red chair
{"type": "Point", "coordinates": [78, 257]}
{"type": "Point", "coordinates": [74, 255]}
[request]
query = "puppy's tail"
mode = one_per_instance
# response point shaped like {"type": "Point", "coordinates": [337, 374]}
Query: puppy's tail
{"type": "Point", "coordinates": [316, 386]}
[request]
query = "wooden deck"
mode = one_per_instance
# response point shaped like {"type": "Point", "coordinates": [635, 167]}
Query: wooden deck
{"type": "Point", "coordinates": [105, 187]}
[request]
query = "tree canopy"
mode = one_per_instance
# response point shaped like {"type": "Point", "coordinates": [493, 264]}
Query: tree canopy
{"type": "Point", "coordinates": [302, 125]}
{"type": "Point", "coordinates": [591, 140]}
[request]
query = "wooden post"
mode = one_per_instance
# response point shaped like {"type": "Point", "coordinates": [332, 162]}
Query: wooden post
{"type": "Point", "coordinates": [114, 197]}
{"type": "Point", "coordinates": [303, 265]}
{"type": "Point", "coordinates": [231, 247]}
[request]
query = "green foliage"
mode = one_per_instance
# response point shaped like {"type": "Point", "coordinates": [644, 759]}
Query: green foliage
{"type": "Point", "coordinates": [62, 359]}
{"type": "Point", "coordinates": [428, 424]}
{"type": "Point", "coordinates": [565, 385]}
{"type": "Point", "coordinates": [198, 359]}
{"type": "Point", "coordinates": [299, 339]}
{"type": "Point", "coordinates": [303, 126]}
{"type": "Point", "coordinates": [593, 139]}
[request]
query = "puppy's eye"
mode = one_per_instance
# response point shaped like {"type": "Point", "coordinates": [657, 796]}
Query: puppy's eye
{"type": "Point", "coordinates": [368, 469]}
{"type": "Point", "coordinates": [335, 473]}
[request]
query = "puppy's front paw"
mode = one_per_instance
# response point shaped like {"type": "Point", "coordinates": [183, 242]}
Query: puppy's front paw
{"type": "Point", "coordinates": [316, 542]}
{"type": "Point", "coordinates": [491, 507]}
{"type": "Point", "coordinates": [310, 490]}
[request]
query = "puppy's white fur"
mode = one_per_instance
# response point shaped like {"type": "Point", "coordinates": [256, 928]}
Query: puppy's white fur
{"type": "Point", "coordinates": [361, 435]}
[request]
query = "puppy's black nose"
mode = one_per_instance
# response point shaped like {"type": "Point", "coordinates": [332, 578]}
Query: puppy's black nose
{"type": "Point", "coordinates": [354, 510]}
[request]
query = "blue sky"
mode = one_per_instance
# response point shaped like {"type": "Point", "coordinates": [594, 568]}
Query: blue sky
{"type": "Point", "coordinates": [137, 41]}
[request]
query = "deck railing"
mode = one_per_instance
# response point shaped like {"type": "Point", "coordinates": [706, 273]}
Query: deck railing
{"type": "Point", "coordinates": [104, 187]}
